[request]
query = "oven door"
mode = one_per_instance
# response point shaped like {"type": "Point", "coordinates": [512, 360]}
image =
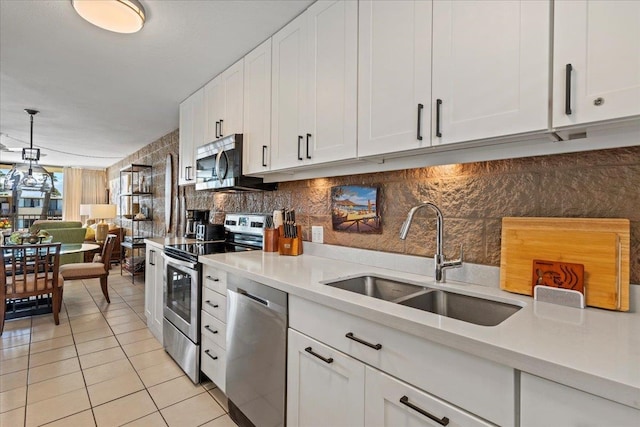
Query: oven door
{"type": "Point", "coordinates": [182, 297]}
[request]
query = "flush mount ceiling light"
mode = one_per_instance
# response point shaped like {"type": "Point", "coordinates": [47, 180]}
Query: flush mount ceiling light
{"type": "Point", "coordinates": [120, 16]}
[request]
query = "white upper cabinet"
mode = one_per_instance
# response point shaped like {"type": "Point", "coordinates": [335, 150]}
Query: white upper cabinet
{"type": "Point", "coordinates": [596, 71]}
{"type": "Point", "coordinates": [224, 103]}
{"type": "Point", "coordinates": [314, 86]}
{"type": "Point", "coordinates": [394, 77]}
{"type": "Point", "coordinates": [257, 110]}
{"type": "Point", "coordinates": [192, 130]}
{"type": "Point", "coordinates": [490, 69]}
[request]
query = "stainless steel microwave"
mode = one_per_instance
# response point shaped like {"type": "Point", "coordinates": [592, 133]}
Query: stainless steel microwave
{"type": "Point", "coordinates": [219, 167]}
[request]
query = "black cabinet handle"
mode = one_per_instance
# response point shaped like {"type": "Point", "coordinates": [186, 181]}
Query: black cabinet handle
{"type": "Point", "coordinates": [420, 108]}
{"type": "Point", "coordinates": [212, 305]}
{"type": "Point", "coordinates": [438, 105]}
{"type": "Point", "coordinates": [264, 156]}
{"type": "Point", "coordinates": [217, 131]}
{"type": "Point", "coordinates": [567, 89]}
{"type": "Point", "coordinates": [299, 143]}
{"type": "Point", "coordinates": [187, 173]}
{"type": "Point", "coordinates": [213, 279]}
{"type": "Point", "coordinates": [221, 132]}
{"type": "Point", "coordinates": [152, 256]}
{"type": "Point", "coordinates": [213, 357]}
{"type": "Point", "coordinates": [368, 344]}
{"type": "Point", "coordinates": [308, 136]}
{"type": "Point", "coordinates": [442, 421]}
{"type": "Point", "coordinates": [324, 359]}
{"type": "Point", "coordinates": [208, 328]}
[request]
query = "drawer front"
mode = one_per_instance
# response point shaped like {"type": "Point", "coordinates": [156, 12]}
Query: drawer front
{"type": "Point", "coordinates": [215, 304]}
{"type": "Point", "coordinates": [394, 403]}
{"type": "Point", "coordinates": [480, 386]}
{"type": "Point", "coordinates": [214, 279]}
{"type": "Point", "coordinates": [214, 330]}
{"type": "Point", "coordinates": [213, 362]}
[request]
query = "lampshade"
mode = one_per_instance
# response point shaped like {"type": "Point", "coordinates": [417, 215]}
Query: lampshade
{"type": "Point", "coordinates": [119, 16]}
{"type": "Point", "coordinates": [85, 210]}
{"type": "Point", "coordinates": [103, 211]}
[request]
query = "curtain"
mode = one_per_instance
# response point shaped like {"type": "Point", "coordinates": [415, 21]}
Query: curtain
{"type": "Point", "coordinates": [82, 186]}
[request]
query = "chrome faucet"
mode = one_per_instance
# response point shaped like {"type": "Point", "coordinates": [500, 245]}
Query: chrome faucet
{"type": "Point", "coordinates": [440, 263]}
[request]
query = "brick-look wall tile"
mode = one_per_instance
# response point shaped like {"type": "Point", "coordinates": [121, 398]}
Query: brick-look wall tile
{"type": "Point", "coordinates": [473, 198]}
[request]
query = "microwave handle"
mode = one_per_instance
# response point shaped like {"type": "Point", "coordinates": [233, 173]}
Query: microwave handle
{"type": "Point", "coordinates": [221, 175]}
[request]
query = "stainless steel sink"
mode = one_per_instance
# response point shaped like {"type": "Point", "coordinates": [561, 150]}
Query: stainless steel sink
{"type": "Point", "coordinates": [470, 309]}
{"type": "Point", "coordinates": [377, 287]}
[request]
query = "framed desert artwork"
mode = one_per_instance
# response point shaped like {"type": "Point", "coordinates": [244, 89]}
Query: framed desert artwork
{"type": "Point", "coordinates": [355, 209]}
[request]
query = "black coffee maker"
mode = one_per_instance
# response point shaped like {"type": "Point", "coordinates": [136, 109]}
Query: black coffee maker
{"type": "Point", "coordinates": [195, 217]}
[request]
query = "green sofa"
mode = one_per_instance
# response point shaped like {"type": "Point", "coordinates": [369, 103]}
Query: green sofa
{"type": "Point", "coordinates": [63, 232]}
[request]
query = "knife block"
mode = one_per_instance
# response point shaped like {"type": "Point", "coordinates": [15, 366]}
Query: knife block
{"type": "Point", "coordinates": [289, 245]}
{"type": "Point", "coordinates": [270, 241]}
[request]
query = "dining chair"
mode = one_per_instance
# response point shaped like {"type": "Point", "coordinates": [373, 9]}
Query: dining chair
{"type": "Point", "coordinates": [98, 269]}
{"type": "Point", "coordinates": [30, 270]}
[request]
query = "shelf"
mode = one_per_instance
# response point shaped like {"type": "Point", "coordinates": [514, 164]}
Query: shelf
{"type": "Point", "coordinates": [131, 245]}
{"type": "Point", "coordinates": [136, 193]}
{"type": "Point", "coordinates": [134, 168]}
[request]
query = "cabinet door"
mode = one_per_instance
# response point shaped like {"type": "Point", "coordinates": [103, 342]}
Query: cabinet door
{"type": "Point", "coordinates": [192, 126]}
{"type": "Point", "coordinates": [394, 76]}
{"type": "Point", "coordinates": [324, 387]}
{"type": "Point", "coordinates": [233, 82]}
{"type": "Point", "coordinates": [390, 403]}
{"type": "Point", "coordinates": [288, 95]}
{"type": "Point", "coordinates": [158, 315]}
{"type": "Point", "coordinates": [490, 69]}
{"type": "Point", "coordinates": [331, 107]}
{"type": "Point", "coordinates": [545, 403]}
{"type": "Point", "coordinates": [214, 107]}
{"type": "Point", "coordinates": [600, 41]}
{"type": "Point", "coordinates": [153, 290]}
{"type": "Point", "coordinates": [257, 109]}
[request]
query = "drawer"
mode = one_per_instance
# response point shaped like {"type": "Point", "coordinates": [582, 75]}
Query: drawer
{"type": "Point", "coordinates": [215, 304]}
{"type": "Point", "coordinates": [213, 362]}
{"type": "Point", "coordinates": [214, 329]}
{"type": "Point", "coordinates": [482, 387]}
{"type": "Point", "coordinates": [394, 403]}
{"type": "Point", "coordinates": [214, 279]}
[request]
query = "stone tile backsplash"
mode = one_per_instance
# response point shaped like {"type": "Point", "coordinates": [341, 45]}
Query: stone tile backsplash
{"type": "Point", "coordinates": [473, 198]}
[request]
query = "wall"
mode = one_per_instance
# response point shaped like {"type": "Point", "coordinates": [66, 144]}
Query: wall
{"type": "Point", "coordinates": [473, 198]}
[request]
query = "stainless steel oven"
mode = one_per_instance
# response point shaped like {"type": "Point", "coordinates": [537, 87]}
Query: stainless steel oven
{"type": "Point", "coordinates": [181, 328]}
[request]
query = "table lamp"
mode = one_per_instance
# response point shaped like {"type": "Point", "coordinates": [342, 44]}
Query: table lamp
{"type": "Point", "coordinates": [102, 212]}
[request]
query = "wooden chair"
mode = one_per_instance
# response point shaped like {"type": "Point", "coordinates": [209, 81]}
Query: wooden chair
{"type": "Point", "coordinates": [98, 269]}
{"type": "Point", "coordinates": [30, 270]}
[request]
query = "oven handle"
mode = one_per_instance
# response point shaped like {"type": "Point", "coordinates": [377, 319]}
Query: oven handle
{"type": "Point", "coordinates": [180, 263]}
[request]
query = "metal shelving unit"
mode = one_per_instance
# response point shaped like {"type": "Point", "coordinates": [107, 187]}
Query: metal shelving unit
{"type": "Point", "coordinates": [136, 198]}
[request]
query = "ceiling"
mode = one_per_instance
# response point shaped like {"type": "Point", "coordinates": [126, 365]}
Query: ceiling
{"type": "Point", "coordinates": [103, 95]}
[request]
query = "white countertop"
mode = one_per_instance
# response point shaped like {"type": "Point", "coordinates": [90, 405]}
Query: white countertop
{"type": "Point", "coordinates": [591, 349]}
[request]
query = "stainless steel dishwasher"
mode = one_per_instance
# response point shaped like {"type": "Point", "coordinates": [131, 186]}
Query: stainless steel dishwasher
{"type": "Point", "coordinates": [256, 353]}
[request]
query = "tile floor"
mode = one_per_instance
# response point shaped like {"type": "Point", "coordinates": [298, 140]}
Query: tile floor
{"type": "Point", "coordinates": [100, 366]}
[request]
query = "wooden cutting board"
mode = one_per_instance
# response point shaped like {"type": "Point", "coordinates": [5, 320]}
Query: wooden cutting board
{"type": "Point", "coordinates": [601, 245]}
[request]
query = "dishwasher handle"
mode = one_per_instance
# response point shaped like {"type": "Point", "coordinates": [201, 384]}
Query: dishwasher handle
{"type": "Point", "coordinates": [253, 297]}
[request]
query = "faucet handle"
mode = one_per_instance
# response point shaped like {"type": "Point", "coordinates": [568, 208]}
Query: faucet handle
{"type": "Point", "coordinates": [454, 263]}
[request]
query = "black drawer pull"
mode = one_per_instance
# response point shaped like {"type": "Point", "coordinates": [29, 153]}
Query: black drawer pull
{"type": "Point", "coordinates": [264, 156]}
{"type": "Point", "coordinates": [324, 359]}
{"type": "Point", "coordinates": [368, 344]}
{"type": "Point", "coordinates": [567, 89]}
{"type": "Point", "coordinates": [212, 305]}
{"type": "Point", "coordinates": [299, 144]}
{"type": "Point", "coordinates": [420, 108]}
{"type": "Point", "coordinates": [214, 357]}
{"type": "Point", "coordinates": [217, 131]}
{"type": "Point", "coordinates": [215, 279]}
{"type": "Point", "coordinates": [442, 421]}
{"type": "Point", "coordinates": [438, 105]}
{"type": "Point", "coordinates": [221, 133]}
{"type": "Point", "coordinates": [207, 327]}
{"type": "Point", "coordinates": [308, 136]}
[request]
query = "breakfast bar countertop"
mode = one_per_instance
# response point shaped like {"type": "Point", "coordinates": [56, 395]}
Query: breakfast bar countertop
{"type": "Point", "coordinates": [594, 350]}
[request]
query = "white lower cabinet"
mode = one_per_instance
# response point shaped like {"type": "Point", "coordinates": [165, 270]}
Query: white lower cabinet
{"type": "Point", "coordinates": [546, 403]}
{"type": "Point", "coordinates": [213, 326]}
{"type": "Point", "coordinates": [154, 290]}
{"type": "Point", "coordinates": [324, 386]}
{"type": "Point", "coordinates": [441, 381]}
{"type": "Point", "coordinates": [389, 402]}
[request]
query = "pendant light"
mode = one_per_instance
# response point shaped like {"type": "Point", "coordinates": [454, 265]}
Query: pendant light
{"type": "Point", "coordinates": [17, 179]}
{"type": "Point", "coordinates": [119, 16]}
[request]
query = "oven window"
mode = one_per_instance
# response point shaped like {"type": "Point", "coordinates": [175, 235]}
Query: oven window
{"type": "Point", "coordinates": [179, 292]}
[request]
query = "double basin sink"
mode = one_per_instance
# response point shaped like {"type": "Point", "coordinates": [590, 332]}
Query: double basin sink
{"type": "Point", "coordinates": [479, 311]}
